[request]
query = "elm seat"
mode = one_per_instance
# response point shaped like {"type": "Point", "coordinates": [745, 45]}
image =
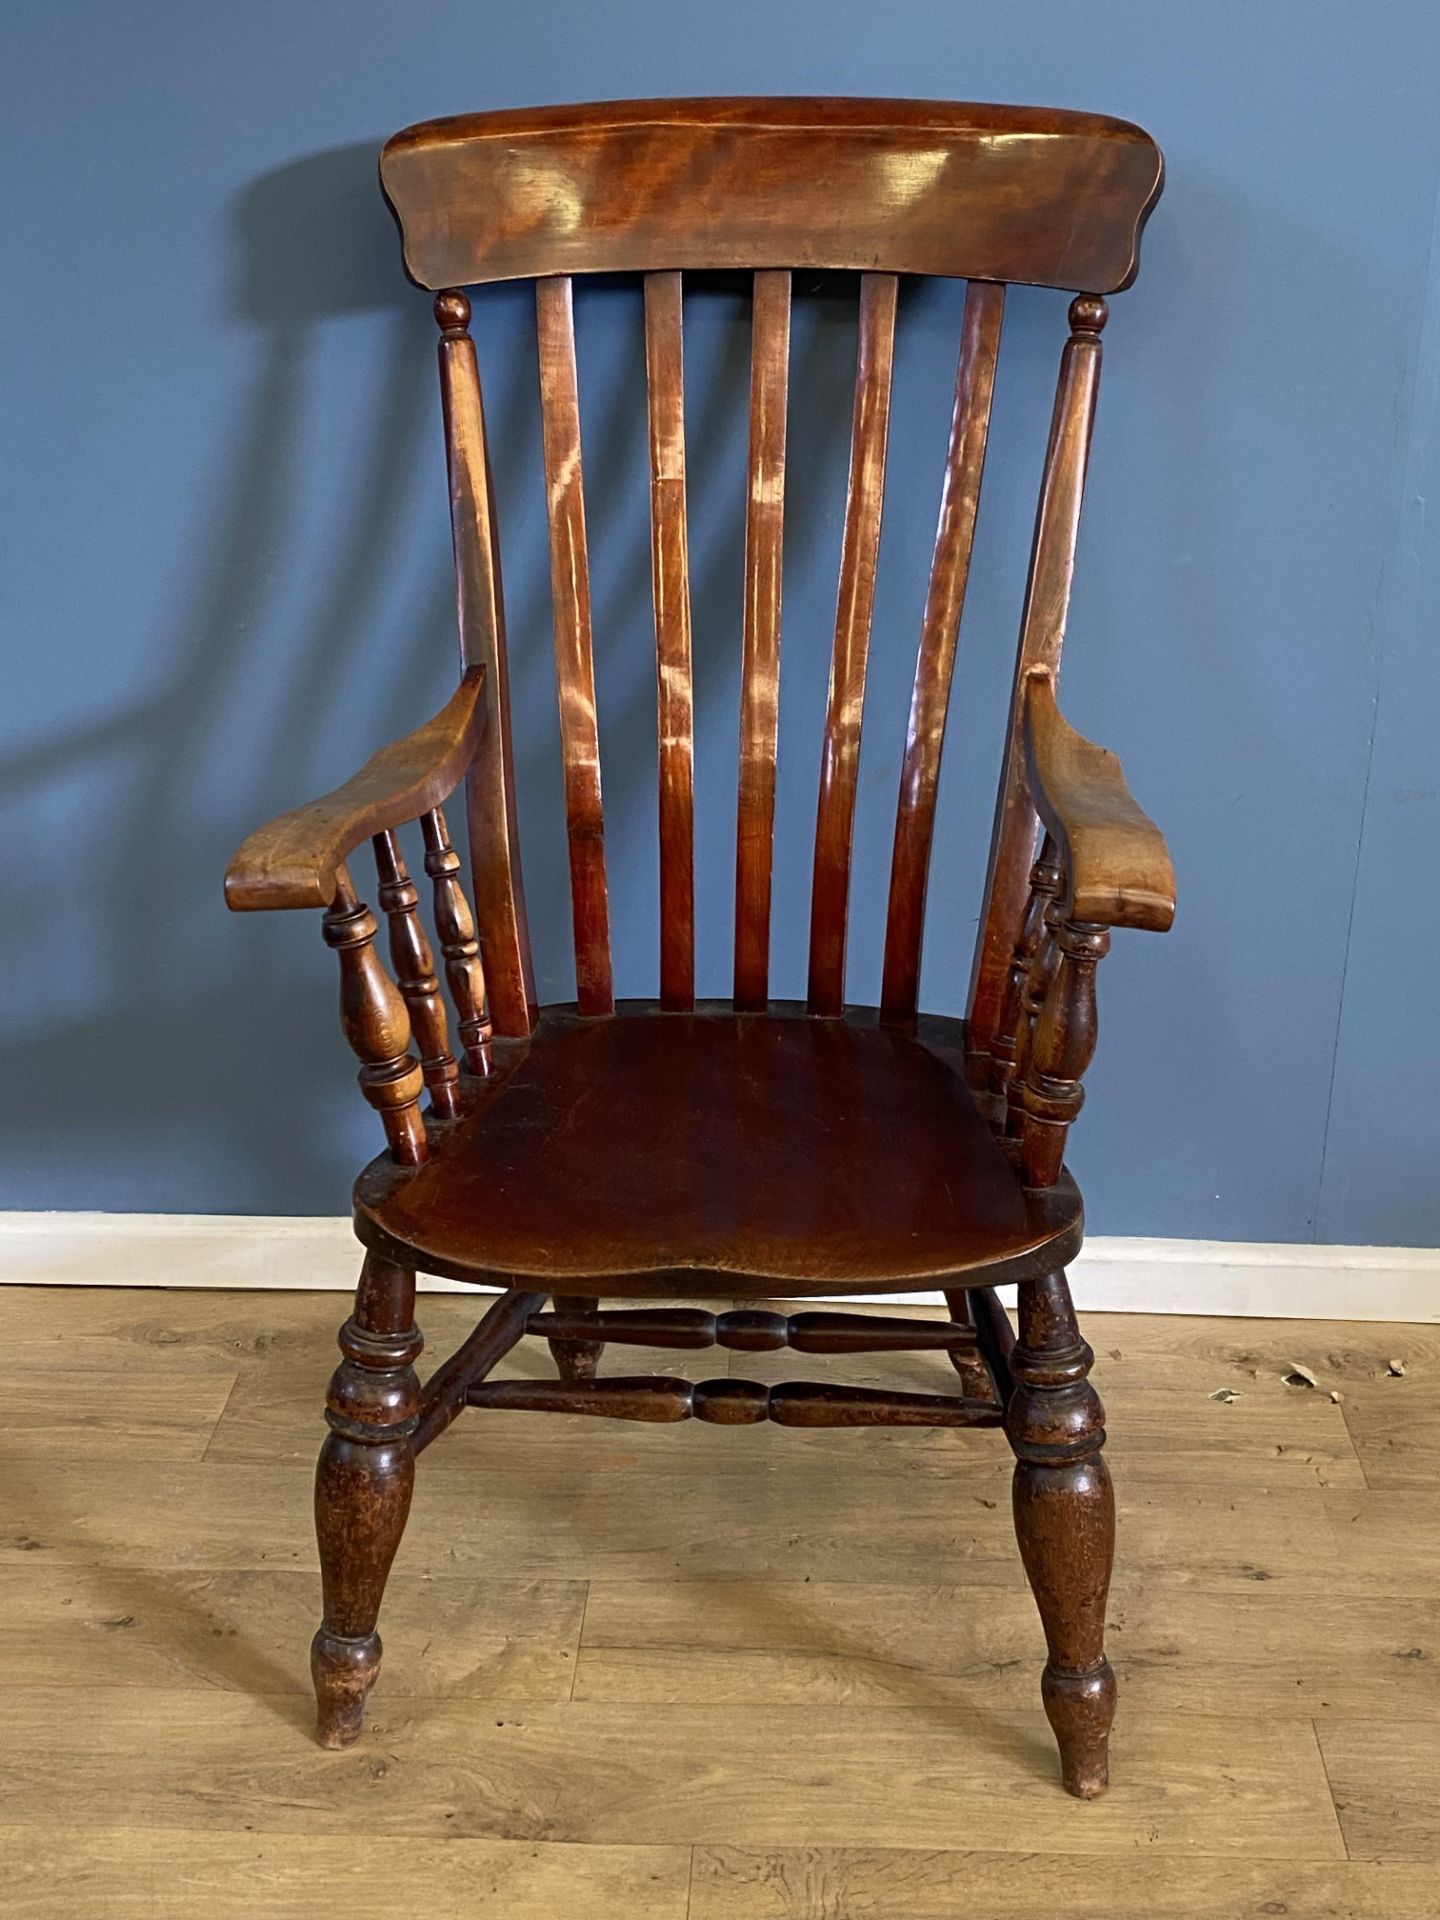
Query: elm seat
{"type": "Point", "coordinates": [778, 1154]}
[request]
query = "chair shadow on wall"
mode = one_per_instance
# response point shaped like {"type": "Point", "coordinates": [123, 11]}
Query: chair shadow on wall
{"type": "Point", "coordinates": [179, 1020]}
{"type": "Point", "coordinates": [199, 1020]}
{"type": "Point", "coordinates": [203, 1027]}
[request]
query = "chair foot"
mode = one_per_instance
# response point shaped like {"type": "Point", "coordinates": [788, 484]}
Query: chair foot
{"type": "Point", "coordinates": [363, 1485]}
{"type": "Point", "coordinates": [1080, 1708]}
{"type": "Point", "coordinates": [1065, 1524]}
{"type": "Point", "coordinates": [344, 1671]}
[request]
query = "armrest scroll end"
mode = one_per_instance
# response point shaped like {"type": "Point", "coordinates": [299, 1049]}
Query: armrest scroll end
{"type": "Point", "coordinates": [1118, 865]}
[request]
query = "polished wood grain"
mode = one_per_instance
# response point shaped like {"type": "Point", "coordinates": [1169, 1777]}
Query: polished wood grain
{"type": "Point", "coordinates": [859, 553]}
{"type": "Point", "coordinates": [1114, 857]}
{"type": "Point", "coordinates": [363, 1485]}
{"type": "Point", "coordinates": [1042, 636]}
{"type": "Point", "coordinates": [935, 664]}
{"type": "Point", "coordinates": [576, 1349]}
{"type": "Point", "coordinates": [490, 790]}
{"type": "Point", "coordinates": [574, 657]}
{"type": "Point", "coordinates": [494, 1335]}
{"type": "Point", "coordinates": [754, 1330]}
{"type": "Point", "coordinates": [455, 926]}
{"type": "Point", "coordinates": [414, 968]}
{"type": "Point", "coordinates": [292, 860]}
{"type": "Point", "coordinates": [1061, 1048]}
{"type": "Point", "coordinates": [542, 1182]}
{"type": "Point", "coordinates": [375, 1022]}
{"type": "Point", "coordinates": [670, 581]}
{"type": "Point", "coordinates": [1065, 1522]}
{"type": "Point", "coordinates": [656, 1150]}
{"type": "Point", "coordinates": [733, 1402]}
{"type": "Point", "coordinates": [1010, 1043]}
{"type": "Point", "coordinates": [906, 186]}
{"type": "Point", "coordinates": [1039, 981]}
{"type": "Point", "coordinates": [760, 663]}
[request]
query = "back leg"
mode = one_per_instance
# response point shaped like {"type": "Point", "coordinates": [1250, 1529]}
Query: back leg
{"type": "Point", "coordinates": [1065, 1523]}
{"type": "Point", "coordinates": [576, 1359]}
{"type": "Point", "coordinates": [363, 1485]}
{"type": "Point", "coordinates": [975, 1380]}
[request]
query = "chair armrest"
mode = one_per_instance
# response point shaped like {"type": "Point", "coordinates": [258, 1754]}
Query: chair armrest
{"type": "Point", "coordinates": [292, 860]}
{"type": "Point", "coordinates": [1114, 857]}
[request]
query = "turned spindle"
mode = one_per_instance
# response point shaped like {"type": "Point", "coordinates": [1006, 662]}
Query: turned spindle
{"type": "Point", "coordinates": [414, 966]}
{"type": "Point", "coordinates": [1044, 965]}
{"type": "Point", "coordinates": [455, 926]}
{"type": "Point", "coordinates": [1005, 1064]}
{"type": "Point", "coordinates": [1061, 1048]}
{"type": "Point", "coordinates": [376, 1024]}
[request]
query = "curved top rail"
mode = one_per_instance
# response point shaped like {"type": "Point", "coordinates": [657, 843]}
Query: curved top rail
{"type": "Point", "coordinates": [1030, 194]}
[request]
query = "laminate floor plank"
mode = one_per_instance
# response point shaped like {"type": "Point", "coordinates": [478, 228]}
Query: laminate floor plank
{"type": "Point", "coordinates": [852, 1883]}
{"type": "Point", "coordinates": [1176, 1648]}
{"type": "Point", "coordinates": [147, 1873]}
{"type": "Point", "coordinates": [1385, 1777]}
{"type": "Point", "coordinates": [601, 1774]}
{"type": "Point", "coordinates": [688, 1673]}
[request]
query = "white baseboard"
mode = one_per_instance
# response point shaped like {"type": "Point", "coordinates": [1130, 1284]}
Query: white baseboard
{"type": "Point", "coordinates": [1231, 1277]}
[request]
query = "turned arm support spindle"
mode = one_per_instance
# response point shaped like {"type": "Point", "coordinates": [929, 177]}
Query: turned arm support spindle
{"type": "Point", "coordinates": [1112, 869]}
{"type": "Point", "coordinates": [1061, 1048]}
{"type": "Point", "coordinates": [1026, 981]}
{"type": "Point", "coordinates": [298, 860]}
{"type": "Point", "coordinates": [414, 966]}
{"type": "Point", "coordinates": [455, 927]}
{"type": "Point", "coordinates": [375, 1022]}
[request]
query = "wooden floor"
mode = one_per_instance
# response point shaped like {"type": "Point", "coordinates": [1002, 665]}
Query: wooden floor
{"type": "Point", "coordinates": [706, 1673]}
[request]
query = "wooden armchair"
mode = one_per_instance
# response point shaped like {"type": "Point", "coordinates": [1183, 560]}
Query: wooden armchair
{"type": "Point", "coordinates": [572, 1154]}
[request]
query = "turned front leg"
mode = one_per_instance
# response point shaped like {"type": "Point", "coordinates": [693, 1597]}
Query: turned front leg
{"type": "Point", "coordinates": [362, 1491]}
{"type": "Point", "coordinates": [1065, 1523]}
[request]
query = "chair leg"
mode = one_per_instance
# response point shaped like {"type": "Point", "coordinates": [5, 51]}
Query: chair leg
{"type": "Point", "coordinates": [576, 1359]}
{"type": "Point", "coordinates": [975, 1380]}
{"type": "Point", "coordinates": [1065, 1523]}
{"type": "Point", "coordinates": [362, 1491]}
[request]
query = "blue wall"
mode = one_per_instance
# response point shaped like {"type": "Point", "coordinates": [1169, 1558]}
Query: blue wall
{"type": "Point", "coordinates": [226, 569]}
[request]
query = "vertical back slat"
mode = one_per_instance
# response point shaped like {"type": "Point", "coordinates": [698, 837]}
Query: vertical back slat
{"type": "Point", "coordinates": [490, 785]}
{"type": "Point", "coordinates": [574, 661]}
{"type": "Point", "coordinates": [760, 672]}
{"type": "Point", "coordinates": [1042, 635]}
{"type": "Point", "coordinates": [855, 605]}
{"type": "Point", "coordinates": [670, 571]}
{"type": "Point", "coordinates": [934, 667]}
